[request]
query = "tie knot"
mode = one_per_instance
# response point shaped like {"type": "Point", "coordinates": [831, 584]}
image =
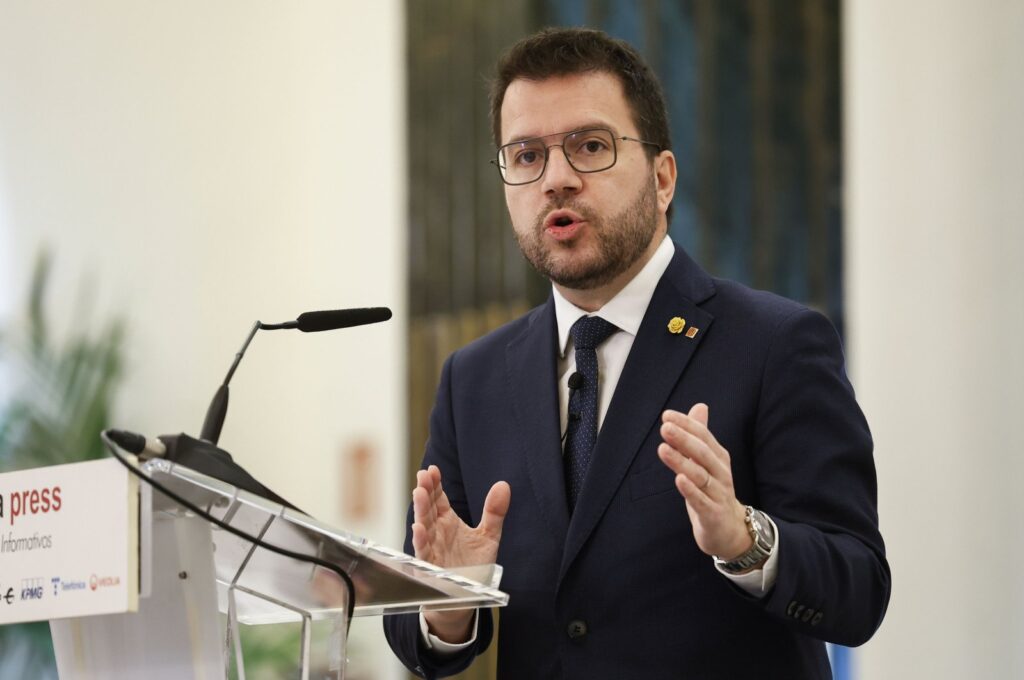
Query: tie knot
{"type": "Point", "coordinates": [590, 331]}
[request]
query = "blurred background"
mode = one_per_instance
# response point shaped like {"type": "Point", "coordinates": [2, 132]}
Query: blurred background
{"type": "Point", "coordinates": [171, 172]}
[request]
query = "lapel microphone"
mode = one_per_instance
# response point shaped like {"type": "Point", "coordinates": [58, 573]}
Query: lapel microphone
{"type": "Point", "coordinates": [575, 383]}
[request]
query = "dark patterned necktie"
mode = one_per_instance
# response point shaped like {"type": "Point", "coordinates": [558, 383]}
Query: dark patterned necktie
{"type": "Point", "coordinates": [581, 424]}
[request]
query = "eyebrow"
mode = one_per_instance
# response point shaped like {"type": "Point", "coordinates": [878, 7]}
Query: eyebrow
{"type": "Point", "coordinates": [585, 126]}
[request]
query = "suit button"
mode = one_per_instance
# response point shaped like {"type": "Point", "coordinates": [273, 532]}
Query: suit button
{"type": "Point", "coordinates": [817, 619]}
{"type": "Point", "coordinates": [577, 629]}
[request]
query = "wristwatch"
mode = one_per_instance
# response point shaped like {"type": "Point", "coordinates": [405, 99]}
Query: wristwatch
{"type": "Point", "coordinates": [763, 533]}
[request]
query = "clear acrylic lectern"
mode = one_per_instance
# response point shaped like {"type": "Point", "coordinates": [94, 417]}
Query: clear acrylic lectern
{"type": "Point", "coordinates": [198, 583]}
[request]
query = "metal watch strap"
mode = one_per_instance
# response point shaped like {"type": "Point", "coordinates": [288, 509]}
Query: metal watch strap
{"type": "Point", "coordinates": [763, 535]}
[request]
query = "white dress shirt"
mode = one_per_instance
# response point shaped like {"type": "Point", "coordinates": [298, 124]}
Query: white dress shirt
{"type": "Point", "coordinates": [626, 310]}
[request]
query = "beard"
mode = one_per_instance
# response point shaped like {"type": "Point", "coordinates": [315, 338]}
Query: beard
{"type": "Point", "coordinates": [620, 242]}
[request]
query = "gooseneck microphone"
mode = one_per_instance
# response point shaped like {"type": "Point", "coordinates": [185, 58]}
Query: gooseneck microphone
{"type": "Point", "coordinates": [307, 322]}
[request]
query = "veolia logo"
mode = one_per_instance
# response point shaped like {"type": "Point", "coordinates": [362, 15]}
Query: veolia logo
{"type": "Point", "coordinates": [103, 581]}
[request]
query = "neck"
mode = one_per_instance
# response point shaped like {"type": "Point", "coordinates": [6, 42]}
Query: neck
{"type": "Point", "coordinates": [593, 299]}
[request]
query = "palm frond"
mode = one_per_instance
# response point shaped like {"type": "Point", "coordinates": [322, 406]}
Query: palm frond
{"type": "Point", "coordinates": [61, 402]}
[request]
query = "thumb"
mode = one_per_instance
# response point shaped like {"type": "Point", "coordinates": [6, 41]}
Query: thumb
{"type": "Point", "coordinates": [495, 508]}
{"type": "Point", "coordinates": [699, 412]}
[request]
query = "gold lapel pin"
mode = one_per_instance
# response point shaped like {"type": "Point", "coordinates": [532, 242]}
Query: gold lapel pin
{"type": "Point", "coordinates": [676, 325]}
{"type": "Point", "coordinates": [692, 332]}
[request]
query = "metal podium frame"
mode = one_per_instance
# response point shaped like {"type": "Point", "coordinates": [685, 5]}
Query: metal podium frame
{"type": "Point", "coordinates": [199, 583]}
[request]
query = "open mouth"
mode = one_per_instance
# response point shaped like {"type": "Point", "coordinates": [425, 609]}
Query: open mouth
{"type": "Point", "coordinates": [562, 221]}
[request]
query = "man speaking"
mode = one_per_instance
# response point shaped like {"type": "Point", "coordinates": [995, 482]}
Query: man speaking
{"type": "Point", "coordinates": [671, 468]}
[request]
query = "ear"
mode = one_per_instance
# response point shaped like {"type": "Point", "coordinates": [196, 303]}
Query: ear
{"type": "Point", "coordinates": [665, 179]}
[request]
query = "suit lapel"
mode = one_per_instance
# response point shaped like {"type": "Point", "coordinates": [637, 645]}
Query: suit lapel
{"type": "Point", "coordinates": [533, 386]}
{"type": "Point", "coordinates": [655, 363]}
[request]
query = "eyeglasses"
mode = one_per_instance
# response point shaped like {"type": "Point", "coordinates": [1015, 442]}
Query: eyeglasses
{"type": "Point", "coordinates": [591, 150]}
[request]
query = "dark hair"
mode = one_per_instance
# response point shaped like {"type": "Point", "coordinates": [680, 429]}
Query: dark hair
{"type": "Point", "coordinates": [555, 52]}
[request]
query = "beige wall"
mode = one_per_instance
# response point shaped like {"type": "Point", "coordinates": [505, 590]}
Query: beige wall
{"type": "Point", "coordinates": [935, 234]}
{"type": "Point", "coordinates": [207, 164]}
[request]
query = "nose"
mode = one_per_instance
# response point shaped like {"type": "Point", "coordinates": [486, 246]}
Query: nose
{"type": "Point", "coordinates": [559, 175]}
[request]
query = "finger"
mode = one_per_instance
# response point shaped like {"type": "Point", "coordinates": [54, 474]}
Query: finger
{"type": "Point", "coordinates": [439, 497]}
{"type": "Point", "coordinates": [495, 509]}
{"type": "Point", "coordinates": [420, 542]}
{"type": "Point", "coordinates": [420, 504]}
{"type": "Point", "coordinates": [672, 458]}
{"type": "Point", "coordinates": [699, 412]}
{"type": "Point", "coordinates": [425, 481]}
{"type": "Point", "coordinates": [423, 514]}
{"type": "Point", "coordinates": [691, 446]}
{"type": "Point", "coordinates": [682, 465]}
{"type": "Point", "coordinates": [697, 499]}
{"type": "Point", "coordinates": [695, 422]}
{"type": "Point", "coordinates": [425, 491]}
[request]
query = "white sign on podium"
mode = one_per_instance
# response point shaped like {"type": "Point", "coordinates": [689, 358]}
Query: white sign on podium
{"type": "Point", "coordinates": [69, 539]}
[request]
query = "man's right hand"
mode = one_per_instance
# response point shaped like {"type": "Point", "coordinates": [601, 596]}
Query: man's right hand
{"type": "Point", "coordinates": [441, 537]}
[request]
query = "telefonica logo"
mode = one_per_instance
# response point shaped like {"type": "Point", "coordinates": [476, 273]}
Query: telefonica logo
{"type": "Point", "coordinates": [62, 585]}
{"type": "Point", "coordinates": [103, 581]}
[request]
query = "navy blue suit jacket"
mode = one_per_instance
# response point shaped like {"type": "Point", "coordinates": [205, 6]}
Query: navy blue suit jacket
{"type": "Point", "coordinates": [625, 562]}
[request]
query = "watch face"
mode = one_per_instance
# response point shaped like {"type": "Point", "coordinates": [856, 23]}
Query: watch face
{"type": "Point", "coordinates": [763, 527]}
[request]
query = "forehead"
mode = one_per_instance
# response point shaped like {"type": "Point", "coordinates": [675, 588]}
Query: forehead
{"type": "Point", "coordinates": [533, 108]}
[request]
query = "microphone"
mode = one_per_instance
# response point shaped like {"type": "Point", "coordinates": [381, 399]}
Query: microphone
{"type": "Point", "coordinates": [142, 446]}
{"type": "Point", "coordinates": [575, 383]}
{"type": "Point", "coordinates": [314, 322]}
{"type": "Point", "coordinates": [307, 322]}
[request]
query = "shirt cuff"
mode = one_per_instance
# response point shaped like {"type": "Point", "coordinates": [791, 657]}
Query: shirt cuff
{"type": "Point", "coordinates": [759, 582]}
{"type": "Point", "coordinates": [440, 646]}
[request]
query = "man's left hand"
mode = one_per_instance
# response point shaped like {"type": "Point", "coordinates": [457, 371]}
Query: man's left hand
{"type": "Point", "coordinates": [704, 478]}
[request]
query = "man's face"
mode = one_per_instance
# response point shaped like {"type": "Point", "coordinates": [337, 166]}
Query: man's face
{"type": "Point", "coordinates": [582, 230]}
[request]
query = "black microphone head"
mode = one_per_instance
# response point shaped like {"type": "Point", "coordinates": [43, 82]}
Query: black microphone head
{"type": "Point", "coordinates": [313, 322]}
{"type": "Point", "coordinates": [575, 381]}
{"type": "Point", "coordinates": [129, 441]}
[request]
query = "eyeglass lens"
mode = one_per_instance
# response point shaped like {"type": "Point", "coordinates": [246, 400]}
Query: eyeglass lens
{"type": "Point", "coordinates": [586, 151]}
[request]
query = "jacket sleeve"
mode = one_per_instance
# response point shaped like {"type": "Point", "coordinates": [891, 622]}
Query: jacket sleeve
{"type": "Point", "coordinates": [403, 630]}
{"type": "Point", "coordinates": [816, 478]}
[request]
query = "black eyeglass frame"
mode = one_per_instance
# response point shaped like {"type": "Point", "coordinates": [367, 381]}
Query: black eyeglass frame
{"type": "Point", "coordinates": [496, 162]}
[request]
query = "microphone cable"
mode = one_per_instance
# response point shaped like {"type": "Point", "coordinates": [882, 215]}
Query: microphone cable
{"type": "Point", "coordinates": [311, 559]}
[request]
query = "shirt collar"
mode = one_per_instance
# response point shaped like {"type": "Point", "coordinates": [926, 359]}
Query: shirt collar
{"type": "Point", "coordinates": [626, 310]}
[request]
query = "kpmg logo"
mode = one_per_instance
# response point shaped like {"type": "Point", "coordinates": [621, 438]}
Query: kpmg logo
{"type": "Point", "coordinates": [32, 588]}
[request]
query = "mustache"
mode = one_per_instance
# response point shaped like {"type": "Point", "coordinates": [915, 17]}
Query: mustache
{"type": "Point", "coordinates": [579, 207]}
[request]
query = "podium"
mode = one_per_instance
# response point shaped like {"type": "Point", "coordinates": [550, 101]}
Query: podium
{"type": "Point", "coordinates": [198, 583]}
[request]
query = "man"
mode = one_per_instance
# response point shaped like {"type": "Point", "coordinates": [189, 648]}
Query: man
{"type": "Point", "coordinates": [694, 491]}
